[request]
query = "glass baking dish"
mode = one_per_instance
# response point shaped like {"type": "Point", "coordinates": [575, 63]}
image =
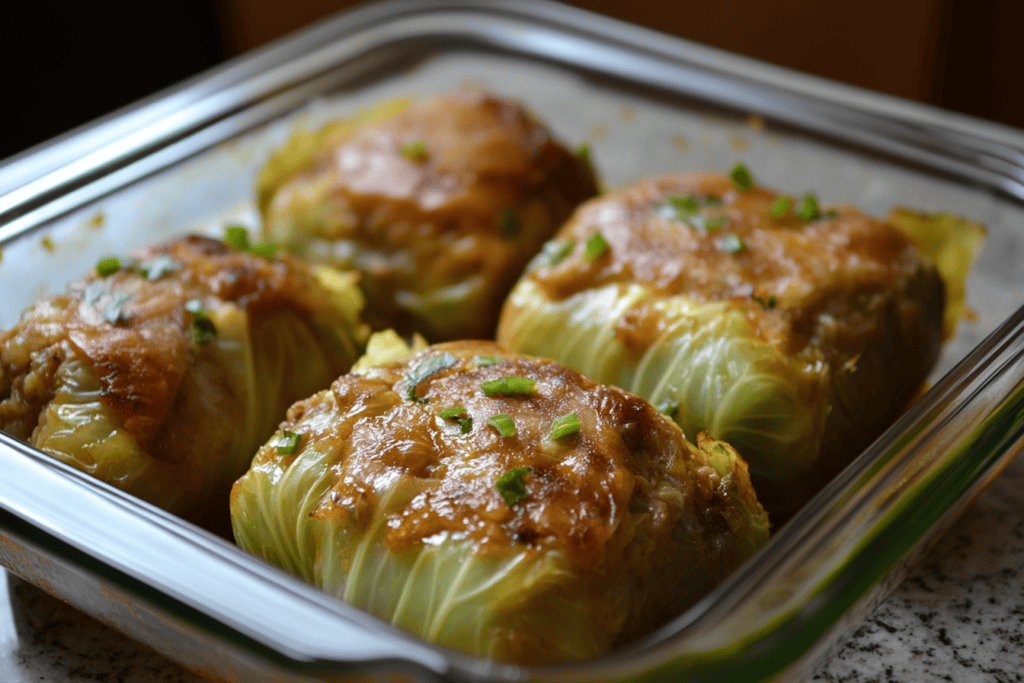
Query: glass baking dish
{"type": "Point", "coordinates": [186, 160]}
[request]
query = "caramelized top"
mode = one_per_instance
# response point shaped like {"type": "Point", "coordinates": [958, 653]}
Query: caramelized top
{"type": "Point", "coordinates": [578, 487]}
{"type": "Point", "coordinates": [453, 162]}
{"type": "Point", "coordinates": [726, 245]}
{"type": "Point", "coordinates": [135, 331]}
{"type": "Point", "coordinates": [447, 199]}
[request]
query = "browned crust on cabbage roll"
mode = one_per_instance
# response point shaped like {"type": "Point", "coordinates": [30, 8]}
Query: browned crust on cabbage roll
{"type": "Point", "coordinates": [462, 188]}
{"type": "Point", "coordinates": [637, 509]}
{"type": "Point", "coordinates": [842, 290]}
{"type": "Point", "coordinates": [135, 332]}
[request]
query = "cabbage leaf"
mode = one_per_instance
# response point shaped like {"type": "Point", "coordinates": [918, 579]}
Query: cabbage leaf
{"type": "Point", "coordinates": [768, 406]}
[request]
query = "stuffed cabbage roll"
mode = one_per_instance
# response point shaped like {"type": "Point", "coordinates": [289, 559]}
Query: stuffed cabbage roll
{"type": "Point", "coordinates": [439, 206]}
{"type": "Point", "coordinates": [163, 374]}
{"type": "Point", "coordinates": [498, 504]}
{"type": "Point", "coordinates": [793, 333]}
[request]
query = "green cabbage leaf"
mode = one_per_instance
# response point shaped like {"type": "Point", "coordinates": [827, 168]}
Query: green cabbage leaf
{"type": "Point", "coordinates": [705, 358]}
{"type": "Point", "coordinates": [442, 591]}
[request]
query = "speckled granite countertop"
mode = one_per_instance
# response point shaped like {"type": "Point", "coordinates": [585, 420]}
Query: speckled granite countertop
{"type": "Point", "coordinates": [959, 616]}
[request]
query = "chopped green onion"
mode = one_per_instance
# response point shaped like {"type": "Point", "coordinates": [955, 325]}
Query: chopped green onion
{"type": "Point", "coordinates": [596, 247]}
{"type": "Point", "coordinates": [668, 407]}
{"type": "Point", "coordinates": [741, 177]}
{"type": "Point", "coordinates": [425, 369]}
{"type": "Point", "coordinates": [781, 207]}
{"type": "Point", "coordinates": [414, 151]}
{"type": "Point", "coordinates": [509, 386]}
{"type": "Point", "coordinates": [808, 210]}
{"type": "Point", "coordinates": [731, 244]}
{"type": "Point", "coordinates": [203, 329]}
{"type": "Point", "coordinates": [114, 313]}
{"type": "Point", "coordinates": [681, 207]}
{"type": "Point", "coordinates": [503, 424]}
{"type": "Point", "coordinates": [583, 152]}
{"type": "Point", "coordinates": [685, 203]}
{"type": "Point", "coordinates": [564, 426]}
{"type": "Point", "coordinates": [158, 266]}
{"type": "Point", "coordinates": [712, 224]}
{"type": "Point", "coordinates": [237, 236]}
{"type": "Point", "coordinates": [290, 443]}
{"type": "Point", "coordinates": [509, 222]}
{"type": "Point", "coordinates": [769, 303]}
{"type": "Point", "coordinates": [512, 486]}
{"type": "Point", "coordinates": [461, 417]}
{"type": "Point", "coordinates": [716, 223]}
{"type": "Point", "coordinates": [108, 266]}
{"type": "Point", "coordinates": [485, 361]}
{"type": "Point", "coordinates": [556, 251]}
{"type": "Point", "coordinates": [265, 249]}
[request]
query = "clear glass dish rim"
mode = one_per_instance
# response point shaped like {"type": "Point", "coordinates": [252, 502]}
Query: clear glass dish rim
{"type": "Point", "coordinates": [901, 480]}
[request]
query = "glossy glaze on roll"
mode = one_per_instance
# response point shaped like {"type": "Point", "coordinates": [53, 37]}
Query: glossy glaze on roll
{"type": "Point", "coordinates": [793, 332]}
{"type": "Point", "coordinates": [600, 532]}
{"type": "Point", "coordinates": [162, 373]}
{"type": "Point", "coordinates": [439, 206]}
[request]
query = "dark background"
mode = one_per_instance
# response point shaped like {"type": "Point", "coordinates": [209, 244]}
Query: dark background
{"type": "Point", "coordinates": [65, 63]}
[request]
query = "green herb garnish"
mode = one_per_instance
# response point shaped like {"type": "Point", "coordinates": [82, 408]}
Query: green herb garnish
{"type": "Point", "coordinates": [425, 369]}
{"type": "Point", "coordinates": [290, 442]}
{"type": "Point", "coordinates": [564, 426]}
{"type": "Point", "coordinates": [712, 224]}
{"type": "Point", "coordinates": [685, 203]}
{"type": "Point", "coordinates": [203, 329]}
{"type": "Point", "coordinates": [265, 249]}
{"type": "Point", "coordinates": [556, 251]}
{"type": "Point", "coordinates": [158, 266]}
{"type": "Point", "coordinates": [808, 210]}
{"type": "Point", "coordinates": [414, 151]}
{"type": "Point", "coordinates": [449, 413]}
{"type": "Point", "coordinates": [596, 247]}
{"type": "Point", "coordinates": [485, 361]}
{"type": "Point", "coordinates": [682, 207]}
{"type": "Point", "coordinates": [781, 207]}
{"type": "Point", "coordinates": [668, 407]}
{"type": "Point", "coordinates": [731, 243]}
{"type": "Point", "coordinates": [503, 424]}
{"type": "Point", "coordinates": [237, 236]}
{"type": "Point", "coordinates": [461, 417]}
{"type": "Point", "coordinates": [509, 386]}
{"type": "Point", "coordinates": [512, 485]}
{"type": "Point", "coordinates": [583, 152]}
{"type": "Point", "coordinates": [108, 266]}
{"type": "Point", "coordinates": [767, 304]}
{"type": "Point", "coordinates": [741, 177]}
